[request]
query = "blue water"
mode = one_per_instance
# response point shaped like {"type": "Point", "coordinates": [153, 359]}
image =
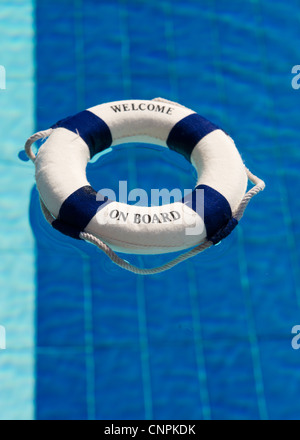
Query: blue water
{"type": "Point", "coordinates": [211, 338]}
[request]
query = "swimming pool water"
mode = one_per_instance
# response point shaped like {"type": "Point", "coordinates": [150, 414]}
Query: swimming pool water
{"type": "Point", "coordinates": [210, 339]}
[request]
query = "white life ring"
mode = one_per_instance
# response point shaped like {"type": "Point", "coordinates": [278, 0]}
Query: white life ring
{"type": "Point", "coordinates": [75, 208]}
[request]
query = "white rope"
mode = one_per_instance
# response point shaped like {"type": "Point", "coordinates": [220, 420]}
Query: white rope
{"type": "Point", "coordinates": [137, 270]}
{"type": "Point", "coordinates": [237, 214]}
{"type": "Point", "coordinates": [35, 137]}
{"type": "Point", "coordinates": [259, 185]}
{"type": "Point", "coordinates": [167, 101]}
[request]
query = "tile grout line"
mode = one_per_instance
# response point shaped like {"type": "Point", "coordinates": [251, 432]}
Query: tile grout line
{"type": "Point", "coordinates": [125, 49]}
{"type": "Point", "coordinates": [255, 352]}
{"type": "Point", "coordinates": [245, 284]}
{"type": "Point", "coordinates": [140, 286]}
{"type": "Point", "coordinates": [79, 53]}
{"type": "Point", "coordinates": [87, 289]}
{"type": "Point", "coordinates": [198, 342]}
{"type": "Point", "coordinates": [197, 330]}
{"type": "Point", "coordinates": [144, 345]}
{"type": "Point", "coordinates": [89, 339]}
{"type": "Point", "coordinates": [171, 51]}
{"type": "Point", "coordinates": [286, 213]}
{"type": "Point", "coordinates": [199, 347]}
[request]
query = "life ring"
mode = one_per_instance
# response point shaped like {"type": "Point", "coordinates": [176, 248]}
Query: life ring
{"type": "Point", "coordinates": [75, 208]}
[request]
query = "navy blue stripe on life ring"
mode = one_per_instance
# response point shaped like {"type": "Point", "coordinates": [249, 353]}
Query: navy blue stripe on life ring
{"type": "Point", "coordinates": [186, 134]}
{"type": "Point", "coordinates": [92, 129]}
{"type": "Point", "coordinates": [216, 210]}
{"type": "Point", "coordinates": [77, 211]}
